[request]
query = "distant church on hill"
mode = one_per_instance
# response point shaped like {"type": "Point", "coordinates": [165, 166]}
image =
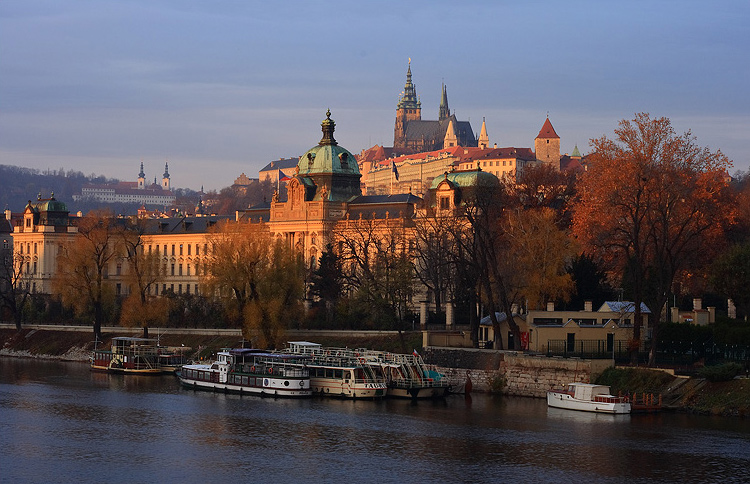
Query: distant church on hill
{"type": "Point", "coordinates": [412, 134]}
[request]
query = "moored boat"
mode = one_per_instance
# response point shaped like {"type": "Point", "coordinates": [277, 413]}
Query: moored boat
{"type": "Point", "coordinates": [337, 373]}
{"type": "Point", "coordinates": [407, 376]}
{"type": "Point", "coordinates": [250, 371]}
{"type": "Point", "coordinates": [128, 355]}
{"type": "Point", "coordinates": [588, 397]}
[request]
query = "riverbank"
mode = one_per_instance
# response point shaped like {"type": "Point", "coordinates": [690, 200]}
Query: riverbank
{"type": "Point", "coordinates": [693, 395]}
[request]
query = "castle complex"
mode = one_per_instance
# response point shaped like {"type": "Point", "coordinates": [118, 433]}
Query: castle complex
{"type": "Point", "coordinates": [424, 149]}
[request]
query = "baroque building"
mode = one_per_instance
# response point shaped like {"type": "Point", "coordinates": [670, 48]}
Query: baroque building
{"type": "Point", "coordinates": [324, 196]}
{"type": "Point", "coordinates": [132, 192]}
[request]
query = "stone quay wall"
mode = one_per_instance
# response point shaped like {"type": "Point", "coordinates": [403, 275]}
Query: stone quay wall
{"type": "Point", "coordinates": [513, 373]}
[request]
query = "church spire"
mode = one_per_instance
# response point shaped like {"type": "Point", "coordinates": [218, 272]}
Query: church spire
{"type": "Point", "coordinates": [484, 140]}
{"type": "Point", "coordinates": [141, 174]}
{"type": "Point", "coordinates": [165, 178]}
{"type": "Point", "coordinates": [444, 110]}
{"type": "Point", "coordinates": [409, 99]}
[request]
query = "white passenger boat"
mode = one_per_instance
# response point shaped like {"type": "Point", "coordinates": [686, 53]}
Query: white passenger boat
{"type": "Point", "coordinates": [250, 371]}
{"type": "Point", "coordinates": [337, 373]}
{"type": "Point", "coordinates": [587, 397]}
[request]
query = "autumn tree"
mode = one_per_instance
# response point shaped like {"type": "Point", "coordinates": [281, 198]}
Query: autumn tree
{"type": "Point", "coordinates": [276, 299]}
{"type": "Point", "coordinates": [540, 252]}
{"type": "Point", "coordinates": [231, 269]}
{"type": "Point", "coordinates": [651, 205]}
{"type": "Point", "coordinates": [377, 268]}
{"type": "Point", "coordinates": [14, 284]}
{"type": "Point", "coordinates": [480, 240]}
{"type": "Point", "coordinates": [260, 276]}
{"type": "Point", "coordinates": [143, 272]}
{"type": "Point", "coordinates": [435, 258]}
{"type": "Point", "coordinates": [82, 279]}
{"type": "Point", "coordinates": [541, 185]}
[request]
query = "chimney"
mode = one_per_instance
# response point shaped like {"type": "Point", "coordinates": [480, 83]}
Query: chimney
{"type": "Point", "coordinates": [697, 304]}
{"type": "Point", "coordinates": [588, 306]}
{"type": "Point", "coordinates": [551, 306]}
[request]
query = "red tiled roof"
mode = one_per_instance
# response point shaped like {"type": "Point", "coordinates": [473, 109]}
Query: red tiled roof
{"type": "Point", "coordinates": [547, 130]}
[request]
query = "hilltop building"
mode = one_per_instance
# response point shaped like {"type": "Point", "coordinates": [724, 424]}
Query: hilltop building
{"type": "Point", "coordinates": [412, 134]}
{"type": "Point", "coordinates": [132, 192]}
{"type": "Point", "coordinates": [424, 149]}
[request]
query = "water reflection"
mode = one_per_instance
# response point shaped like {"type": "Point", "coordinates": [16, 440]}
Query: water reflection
{"type": "Point", "coordinates": [66, 424]}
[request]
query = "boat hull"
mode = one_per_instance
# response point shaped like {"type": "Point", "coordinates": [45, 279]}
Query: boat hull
{"type": "Point", "coordinates": [568, 402]}
{"type": "Point", "coordinates": [265, 387]}
{"type": "Point", "coordinates": [334, 387]}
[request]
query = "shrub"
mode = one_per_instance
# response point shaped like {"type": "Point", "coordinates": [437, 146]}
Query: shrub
{"type": "Point", "coordinates": [724, 372]}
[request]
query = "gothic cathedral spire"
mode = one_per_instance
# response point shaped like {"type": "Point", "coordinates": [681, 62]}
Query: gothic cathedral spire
{"type": "Point", "coordinates": [444, 110]}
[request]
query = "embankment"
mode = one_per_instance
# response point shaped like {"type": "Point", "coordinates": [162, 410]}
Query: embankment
{"type": "Point", "coordinates": [508, 373]}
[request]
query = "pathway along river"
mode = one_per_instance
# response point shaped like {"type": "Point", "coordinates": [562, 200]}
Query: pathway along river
{"type": "Point", "coordinates": [61, 423]}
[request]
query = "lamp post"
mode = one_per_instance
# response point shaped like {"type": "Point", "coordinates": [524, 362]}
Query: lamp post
{"type": "Point", "coordinates": [613, 348]}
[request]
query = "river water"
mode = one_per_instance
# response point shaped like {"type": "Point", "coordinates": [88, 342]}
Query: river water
{"type": "Point", "coordinates": [60, 423]}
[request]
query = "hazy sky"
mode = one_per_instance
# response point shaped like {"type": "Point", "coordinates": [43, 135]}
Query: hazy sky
{"type": "Point", "coordinates": [218, 87]}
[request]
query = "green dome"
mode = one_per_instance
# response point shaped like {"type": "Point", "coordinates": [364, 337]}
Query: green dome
{"type": "Point", "coordinates": [328, 157]}
{"type": "Point", "coordinates": [464, 179]}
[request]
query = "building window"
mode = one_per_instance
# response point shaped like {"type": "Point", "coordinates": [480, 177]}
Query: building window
{"type": "Point", "coordinates": [180, 269]}
{"type": "Point", "coordinates": [172, 249]}
{"type": "Point", "coordinates": [188, 269]}
{"type": "Point", "coordinates": [444, 203]}
{"type": "Point", "coordinates": [172, 273]}
{"type": "Point", "coordinates": [34, 267]}
{"type": "Point", "coordinates": [187, 288]}
{"type": "Point", "coordinates": [179, 289]}
{"type": "Point", "coordinates": [35, 247]}
{"type": "Point", "coordinates": [196, 289]}
{"type": "Point", "coordinates": [119, 268]}
{"type": "Point", "coordinates": [118, 289]}
{"type": "Point", "coordinates": [188, 249]}
{"type": "Point", "coordinates": [180, 249]}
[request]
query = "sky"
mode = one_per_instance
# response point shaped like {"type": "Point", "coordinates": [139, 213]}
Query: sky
{"type": "Point", "coordinates": [219, 88]}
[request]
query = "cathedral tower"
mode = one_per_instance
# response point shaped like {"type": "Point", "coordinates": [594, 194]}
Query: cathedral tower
{"type": "Point", "coordinates": [409, 108]}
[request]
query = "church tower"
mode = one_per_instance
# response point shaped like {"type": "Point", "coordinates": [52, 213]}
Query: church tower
{"type": "Point", "coordinates": [444, 110]}
{"type": "Point", "coordinates": [141, 178]}
{"type": "Point", "coordinates": [450, 139]}
{"type": "Point", "coordinates": [409, 108]}
{"type": "Point", "coordinates": [165, 179]}
{"type": "Point", "coordinates": [484, 140]}
{"type": "Point", "coordinates": [547, 145]}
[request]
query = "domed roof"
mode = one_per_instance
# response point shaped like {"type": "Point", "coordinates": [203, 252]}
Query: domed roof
{"type": "Point", "coordinates": [328, 157]}
{"type": "Point", "coordinates": [464, 179]}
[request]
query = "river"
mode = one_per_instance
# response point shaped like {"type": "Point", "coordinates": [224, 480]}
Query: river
{"type": "Point", "coordinates": [61, 423]}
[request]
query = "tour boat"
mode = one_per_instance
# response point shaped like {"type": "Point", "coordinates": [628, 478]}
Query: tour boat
{"type": "Point", "coordinates": [406, 375]}
{"type": "Point", "coordinates": [128, 355]}
{"type": "Point", "coordinates": [337, 373]}
{"type": "Point", "coordinates": [588, 397]}
{"type": "Point", "coordinates": [250, 371]}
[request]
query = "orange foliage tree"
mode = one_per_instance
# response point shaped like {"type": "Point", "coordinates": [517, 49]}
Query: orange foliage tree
{"type": "Point", "coordinates": [652, 204]}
